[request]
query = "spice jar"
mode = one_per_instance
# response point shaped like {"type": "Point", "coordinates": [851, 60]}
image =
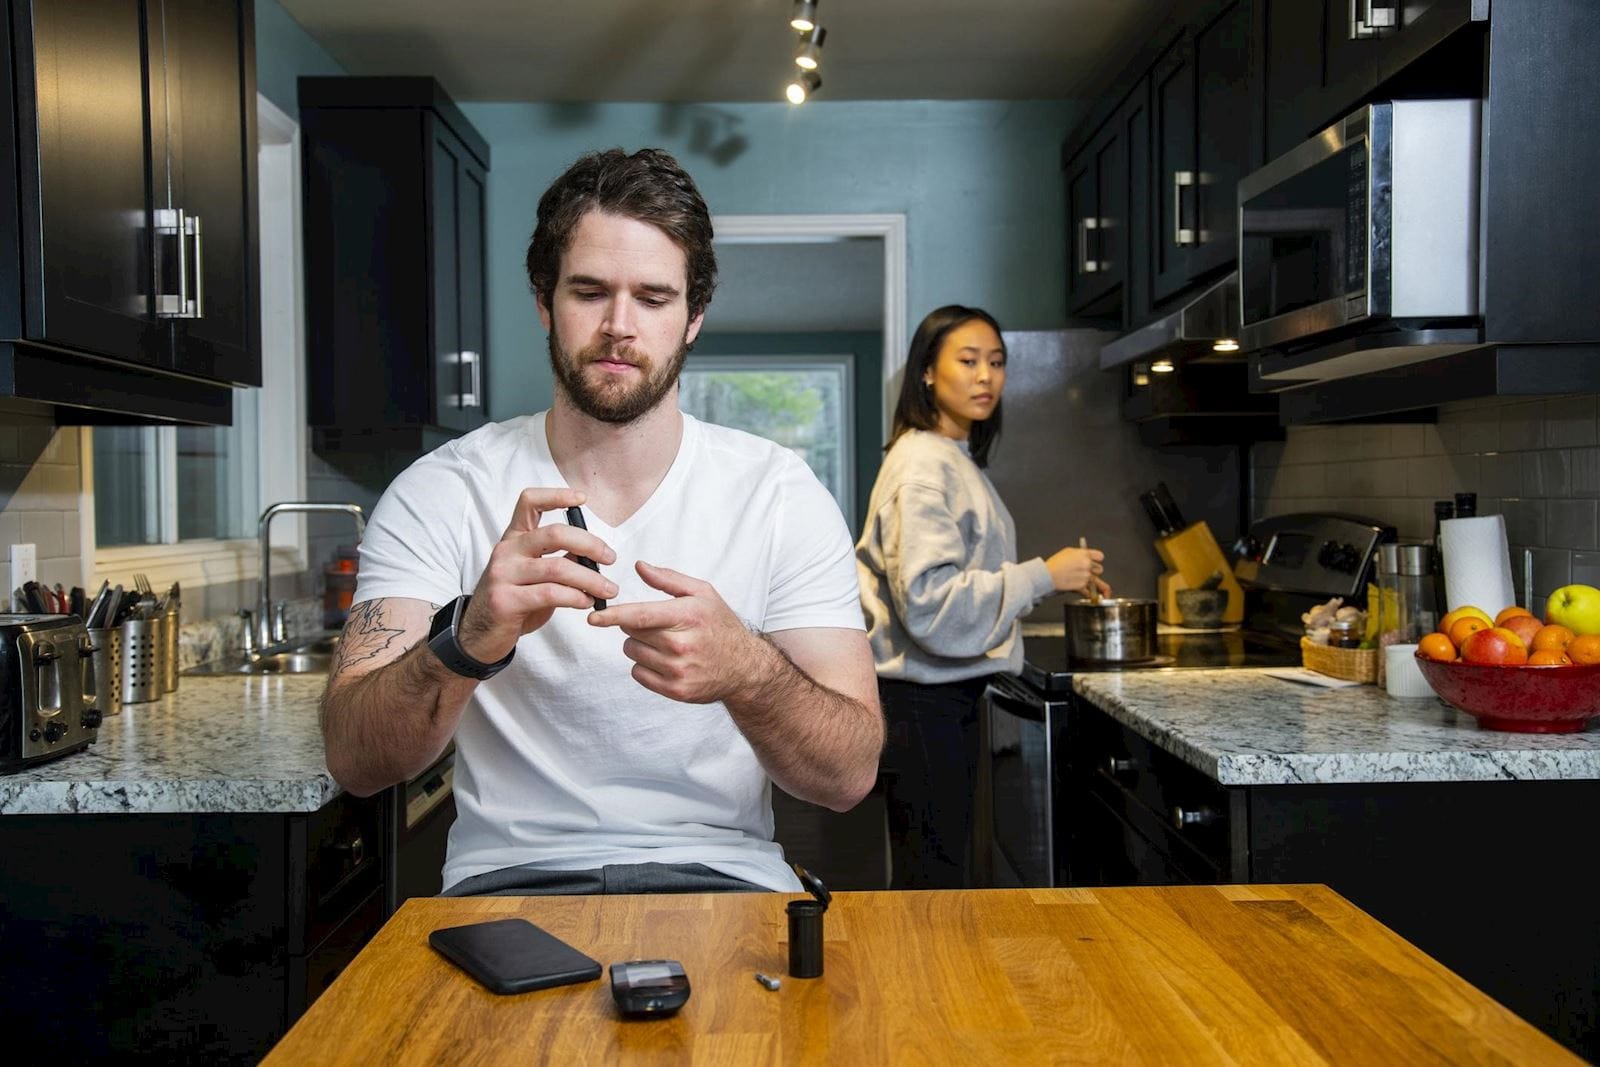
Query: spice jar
{"type": "Point", "coordinates": [1342, 634]}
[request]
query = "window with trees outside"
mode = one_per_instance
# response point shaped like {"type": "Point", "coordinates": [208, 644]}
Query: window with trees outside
{"type": "Point", "coordinates": [803, 403]}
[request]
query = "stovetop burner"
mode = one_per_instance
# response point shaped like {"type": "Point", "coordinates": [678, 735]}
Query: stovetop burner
{"type": "Point", "coordinates": [1047, 667]}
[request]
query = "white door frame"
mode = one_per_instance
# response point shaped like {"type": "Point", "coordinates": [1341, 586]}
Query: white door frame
{"type": "Point", "coordinates": [891, 229]}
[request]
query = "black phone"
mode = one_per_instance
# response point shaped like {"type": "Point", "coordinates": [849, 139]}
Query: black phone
{"type": "Point", "coordinates": [513, 956]}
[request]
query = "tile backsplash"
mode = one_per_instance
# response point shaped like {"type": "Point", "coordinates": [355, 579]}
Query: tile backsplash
{"type": "Point", "coordinates": [1535, 461]}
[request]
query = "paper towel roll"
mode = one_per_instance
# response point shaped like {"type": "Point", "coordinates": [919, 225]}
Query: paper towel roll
{"type": "Point", "coordinates": [1477, 563]}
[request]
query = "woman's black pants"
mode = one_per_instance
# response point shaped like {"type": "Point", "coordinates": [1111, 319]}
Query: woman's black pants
{"type": "Point", "coordinates": [930, 773]}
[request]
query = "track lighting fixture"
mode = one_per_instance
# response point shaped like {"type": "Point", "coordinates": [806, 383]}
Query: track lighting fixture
{"type": "Point", "coordinates": [809, 56]}
{"type": "Point", "coordinates": [806, 83]}
{"type": "Point", "coordinates": [804, 19]}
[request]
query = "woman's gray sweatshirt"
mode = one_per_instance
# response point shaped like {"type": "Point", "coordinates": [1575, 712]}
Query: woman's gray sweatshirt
{"type": "Point", "coordinates": [940, 585]}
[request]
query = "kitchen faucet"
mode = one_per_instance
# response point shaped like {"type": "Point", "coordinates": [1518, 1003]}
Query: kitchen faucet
{"type": "Point", "coordinates": [263, 620]}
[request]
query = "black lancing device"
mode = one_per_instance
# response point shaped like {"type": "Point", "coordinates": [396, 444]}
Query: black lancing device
{"type": "Point", "coordinates": [575, 518]}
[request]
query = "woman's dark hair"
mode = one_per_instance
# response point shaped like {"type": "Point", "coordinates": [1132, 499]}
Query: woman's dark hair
{"type": "Point", "coordinates": [915, 410]}
{"type": "Point", "coordinates": [648, 186]}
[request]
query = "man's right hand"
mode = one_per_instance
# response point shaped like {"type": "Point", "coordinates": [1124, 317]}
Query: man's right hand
{"type": "Point", "coordinates": [526, 580]}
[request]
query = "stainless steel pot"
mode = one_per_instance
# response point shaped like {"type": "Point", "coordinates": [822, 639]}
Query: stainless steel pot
{"type": "Point", "coordinates": [1115, 630]}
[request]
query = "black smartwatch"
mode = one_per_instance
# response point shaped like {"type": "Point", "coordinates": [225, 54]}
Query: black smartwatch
{"type": "Point", "coordinates": [442, 640]}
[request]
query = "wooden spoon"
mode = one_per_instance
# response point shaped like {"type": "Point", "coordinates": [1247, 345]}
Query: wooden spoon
{"type": "Point", "coordinates": [1092, 591]}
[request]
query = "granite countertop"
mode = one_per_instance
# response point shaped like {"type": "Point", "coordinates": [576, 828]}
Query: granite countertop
{"type": "Point", "coordinates": [1245, 727]}
{"type": "Point", "coordinates": [231, 743]}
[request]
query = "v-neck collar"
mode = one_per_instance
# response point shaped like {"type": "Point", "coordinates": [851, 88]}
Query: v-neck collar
{"type": "Point", "coordinates": [688, 442]}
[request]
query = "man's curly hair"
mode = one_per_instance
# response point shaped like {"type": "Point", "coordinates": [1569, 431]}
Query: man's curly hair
{"type": "Point", "coordinates": [648, 186]}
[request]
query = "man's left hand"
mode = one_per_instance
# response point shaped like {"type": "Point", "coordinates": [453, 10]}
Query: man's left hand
{"type": "Point", "coordinates": [691, 648]}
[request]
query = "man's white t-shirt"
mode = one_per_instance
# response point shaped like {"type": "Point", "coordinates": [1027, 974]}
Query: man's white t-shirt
{"type": "Point", "coordinates": [563, 761]}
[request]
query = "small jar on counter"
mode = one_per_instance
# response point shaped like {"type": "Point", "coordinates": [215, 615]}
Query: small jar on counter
{"type": "Point", "coordinates": [1342, 633]}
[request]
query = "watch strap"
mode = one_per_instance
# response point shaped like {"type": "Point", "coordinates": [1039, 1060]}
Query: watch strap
{"type": "Point", "coordinates": [444, 644]}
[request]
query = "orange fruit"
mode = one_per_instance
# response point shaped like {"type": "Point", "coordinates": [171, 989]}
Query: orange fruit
{"type": "Point", "coordinates": [1524, 626]}
{"type": "Point", "coordinates": [1437, 647]}
{"type": "Point", "coordinates": [1448, 623]}
{"type": "Point", "coordinates": [1496, 645]}
{"type": "Point", "coordinates": [1465, 627]}
{"type": "Point", "coordinates": [1510, 613]}
{"type": "Point", "coordinates": [1585, 648]}
{"type": "Point", "coordinates": [1549, 657]}
{"type": "Point", "coordinates": [1551, 636]}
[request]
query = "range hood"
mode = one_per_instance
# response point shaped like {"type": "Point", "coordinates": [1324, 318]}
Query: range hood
{"type": "Point", "coordinates": [1190, 331]}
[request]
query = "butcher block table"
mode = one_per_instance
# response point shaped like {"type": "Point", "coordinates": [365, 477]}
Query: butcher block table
{"type": "Point", "coordinates": [1193, 974]}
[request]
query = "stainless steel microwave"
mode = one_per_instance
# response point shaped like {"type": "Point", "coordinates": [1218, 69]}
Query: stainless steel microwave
{"type": "Point", "coordinates": [1371, 224]}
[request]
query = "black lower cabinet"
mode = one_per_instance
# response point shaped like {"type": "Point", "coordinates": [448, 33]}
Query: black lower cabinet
{"type": "Point", "coordinates": [181, 938]}
{"type": "Point", "coordinates": [1495, 880]}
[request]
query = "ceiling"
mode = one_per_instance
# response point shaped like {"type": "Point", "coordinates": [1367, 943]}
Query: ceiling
{"type": "Point", "coordinates": [733, 50]}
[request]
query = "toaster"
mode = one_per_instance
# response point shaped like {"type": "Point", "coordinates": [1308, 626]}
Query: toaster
{"type": "Point", "coordinates": [47, 689]}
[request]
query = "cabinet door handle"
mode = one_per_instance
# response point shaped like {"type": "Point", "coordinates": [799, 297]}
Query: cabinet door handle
{"type": "Point", "coordinates": [1373, 18]}
{"type": "Point", "coordinates": [198, 310]}
{"type": "Point", "coordinates": [1086, 226]}
{"type": "Point", "coordinates": [1183, 818]}
{"type": "Point", "coordinates": [470, 398]}
{"type": "Point", "coordinates": [1116, 766]}
{"type": "Point", "coordinates": [173, 223]}
{"type": "Point", "coordinates": [1182, 236]}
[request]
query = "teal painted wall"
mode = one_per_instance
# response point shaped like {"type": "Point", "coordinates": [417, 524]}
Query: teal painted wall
{"type": "Point", "coordinates": [285, 51]}
{"type": "Point", "coordinates": [867, 385]}
{"type": "Point", "coordinates": [978, 181]}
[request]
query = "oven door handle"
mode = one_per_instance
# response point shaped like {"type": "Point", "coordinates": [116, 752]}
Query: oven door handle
{"type": "Point", "coordinates": [1006, 696]}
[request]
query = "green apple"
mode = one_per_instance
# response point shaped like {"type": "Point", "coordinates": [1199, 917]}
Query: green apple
{"type": "Point", "coordinates": [1577, 607]}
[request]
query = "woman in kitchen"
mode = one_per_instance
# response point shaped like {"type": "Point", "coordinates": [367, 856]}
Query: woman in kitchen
{"type": "Point", "coordinates": [942, 589]}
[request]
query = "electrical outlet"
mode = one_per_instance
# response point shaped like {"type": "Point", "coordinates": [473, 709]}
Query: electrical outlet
{"type": "Point", "coordinates": [24, 568]}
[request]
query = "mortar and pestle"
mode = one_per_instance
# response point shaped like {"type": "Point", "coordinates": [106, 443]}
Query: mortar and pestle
{"type": "Point", "coordinates": [1202, 607]}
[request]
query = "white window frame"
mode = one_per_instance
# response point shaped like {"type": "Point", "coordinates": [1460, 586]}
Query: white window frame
{"type": "Point", "coordinates": [890, 229]}
{"type": "Point", "coordinates": [281, 451]}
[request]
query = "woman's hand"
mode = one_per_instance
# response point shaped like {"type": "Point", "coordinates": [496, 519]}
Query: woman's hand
{"type": "Point", "coordinates": [1075, 568]}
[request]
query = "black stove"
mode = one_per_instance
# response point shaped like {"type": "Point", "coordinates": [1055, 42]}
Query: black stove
{"type": "Point", "coordinates": [1047, 668]}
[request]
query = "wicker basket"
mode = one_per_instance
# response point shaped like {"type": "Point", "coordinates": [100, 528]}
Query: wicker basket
{"type": "Point", "coordinates": [1351, 664]}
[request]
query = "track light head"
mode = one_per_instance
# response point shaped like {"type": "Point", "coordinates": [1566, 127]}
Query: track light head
{"type": "Point", "coordinates": [806, 83]}
{"type": "Point", "coordinates": [809, 55]}
{"type": "Point", "coordinates": [804, 19]}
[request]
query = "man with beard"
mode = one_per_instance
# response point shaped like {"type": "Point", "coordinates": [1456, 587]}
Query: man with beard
{"type": "Point", "coordinates": [631, 748]}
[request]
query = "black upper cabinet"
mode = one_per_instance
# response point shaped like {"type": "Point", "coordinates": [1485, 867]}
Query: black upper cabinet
{"type": "Point", "coordinates": [394, 246]}
{"type": "Point", "coordinates": [1097, 236]}
{"type": "Point", "coordinates": [1321, 59]}
{"type": "Point", "coordinates": [135, 235]}
{"type": "Point", "coordinates": [213, 132]}
{"type": "Point", "coordinates": [1200, 103]}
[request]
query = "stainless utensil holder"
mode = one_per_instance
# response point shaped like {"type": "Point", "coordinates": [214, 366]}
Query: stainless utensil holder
{"type": "Point", "coordinates": [141, 659]}
{"type": "Point", "coordinates": [106, 660]}
{"type": "Point", "coordinates": [168, 652]}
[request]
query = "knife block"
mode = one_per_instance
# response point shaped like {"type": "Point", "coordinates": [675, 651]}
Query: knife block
{"type": "Point", "coordinates": [1192, 555]}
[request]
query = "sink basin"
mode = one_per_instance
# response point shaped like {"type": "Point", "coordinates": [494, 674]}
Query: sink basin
{"type": "Point", "coordinates": [308, 655]}
{"type": "Point", "coordinates": [287, 663]}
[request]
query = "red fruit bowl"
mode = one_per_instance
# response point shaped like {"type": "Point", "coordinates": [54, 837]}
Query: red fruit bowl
{"type": "Point", "coordinates": [1539, 700]}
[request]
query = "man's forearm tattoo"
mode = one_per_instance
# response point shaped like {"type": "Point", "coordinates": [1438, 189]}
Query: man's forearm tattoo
{"type": "Point", "coordinates": [365, 635]}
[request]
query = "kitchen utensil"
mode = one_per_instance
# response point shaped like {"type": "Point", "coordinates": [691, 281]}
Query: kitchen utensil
{"type": "Point", "coordinates": [107, 657]}
{"type": "Point", "coordinates": [1212, 582]}
{"type": "Point", "coordinates": [1114, 630]}
{"type": "Point", "coordinates": [1201, 608]}
{"type": "Point", "coordinates": [1192, 556]}
{"type": "Point", "coordinates": [141, 678]}
{"type": "Point", "coordinates": [1544, 700]}
{"type": "Point", "coordinates": [1162, 509]}
{"type": "Point", "coordinates": [1092, 590]}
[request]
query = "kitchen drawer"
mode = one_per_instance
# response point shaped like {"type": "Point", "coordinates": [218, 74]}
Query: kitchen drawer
{"type": "Point", "coordinates": [343, 850]}
{"type": "Point", "coordinates": [1164, 797]}
{"type": "Point", "coordinates": [314, 972]}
